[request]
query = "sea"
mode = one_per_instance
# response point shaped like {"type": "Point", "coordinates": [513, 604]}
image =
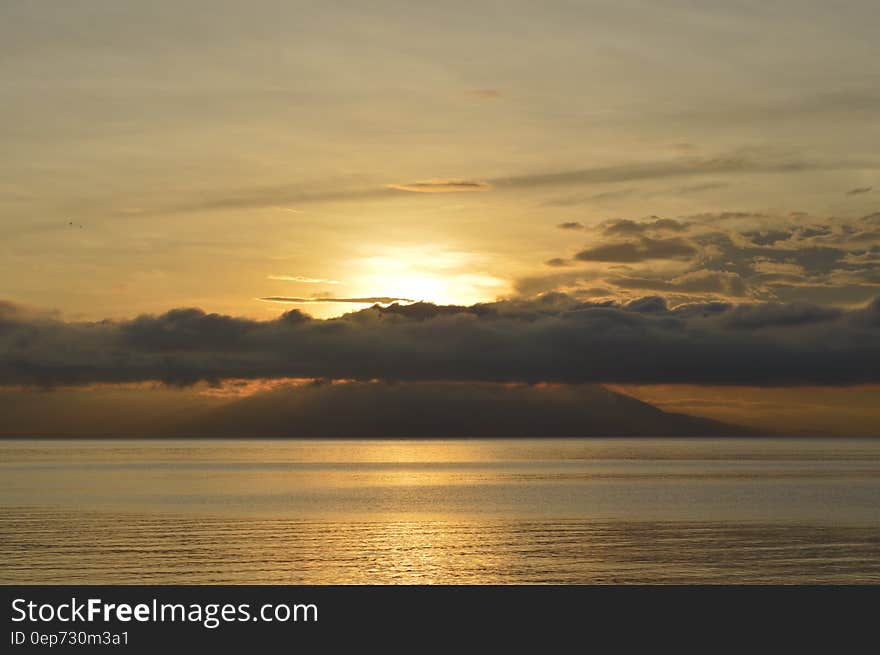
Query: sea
{"type": "Point", "coordinates": [471, 511]}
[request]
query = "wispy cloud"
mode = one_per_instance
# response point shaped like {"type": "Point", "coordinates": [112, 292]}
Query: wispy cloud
{"type": "Point", "coordinates": [369, 300]}
{"type": "Point", "coordinates": [275, 197]}
{"type": "Point", "coordinates": [303, 279]}
{"type": "Point", "coordinates": [690, 167]}
{"type": "Point", "coordinates": [258, 197]}
{"type": "Point", "coordinates": [632, 192]}
{"type": "Point", "coordinates": [698, 188]}
{"type": "Point", "coordinates": [442, 186]}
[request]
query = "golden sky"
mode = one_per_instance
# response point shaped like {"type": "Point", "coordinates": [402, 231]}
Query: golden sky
{"type": "Point", "coordinates": [251, 158]}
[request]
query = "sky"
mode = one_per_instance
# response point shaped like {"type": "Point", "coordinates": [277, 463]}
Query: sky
{"type": "Point", "coordinates": [576, 167]}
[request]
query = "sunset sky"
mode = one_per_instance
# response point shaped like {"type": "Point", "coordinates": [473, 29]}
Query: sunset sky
{"type": "Point", "coordinates": [681, 199]}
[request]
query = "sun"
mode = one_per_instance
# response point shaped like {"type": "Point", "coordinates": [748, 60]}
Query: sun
{"type": "Point", "coordinates": [427, 274]}
{"type": "Point", "coordinates": [416, 287]}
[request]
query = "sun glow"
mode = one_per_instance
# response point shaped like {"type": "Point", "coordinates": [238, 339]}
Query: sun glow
{"type": "Point", "coordinates": [428, 275]}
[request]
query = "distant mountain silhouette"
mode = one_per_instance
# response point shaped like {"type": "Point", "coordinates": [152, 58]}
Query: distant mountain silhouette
{"type": "Point", "coordinates": [426, 410]}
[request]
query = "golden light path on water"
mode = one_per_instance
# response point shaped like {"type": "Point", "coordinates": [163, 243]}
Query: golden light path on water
{"type": "Point", "coordinates": [469, 511]}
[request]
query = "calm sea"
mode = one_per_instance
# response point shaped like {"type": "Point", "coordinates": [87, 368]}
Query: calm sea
{"type": "Point", "coordinates": [468, 511]}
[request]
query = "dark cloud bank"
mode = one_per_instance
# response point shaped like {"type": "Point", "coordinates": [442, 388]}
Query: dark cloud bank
{"type": "Point", "coordinates": [554, 338]}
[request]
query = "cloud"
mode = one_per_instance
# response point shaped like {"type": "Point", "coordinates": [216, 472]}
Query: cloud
{"type": "Point", "coordinates": [643, 249]}
{"type": "Point", "coordinates": [628, 227]}
{"type": "Point", "coordinates": [263, 197]}
{"type": "Point", "coordinates": [442, 186]}
{"type": "Point", "coordinates": [725, 255]}
{"type": "Point", "coordinates": [554, 338]}
{"type": "Point", "coordinates": [582, 199]}
{"type": "Point", "coordinates": [859, 191]}
{"type": "Point", "coordinates": [731, 216]}
{"type": "Point", "coordinates": [815, 231]}
{"type": "Point", "coordinates": [752, 317]}
{"type": "Point", "coordinates": [15, 312]}
{"type": "Point", "coordinates": [571, 225]}
{"type": "Point", "coordinates": [369, 300]}
{"type": "Point", "coordinates": [699, 188]}
{"type": "Point", "coordinates": [259, 197]}
{"type": "Point", "coordinates": [630, 192]}
{"type": "Point", "coordinates": [303, 279]}
{"type": "Point", "coordinates": [690, 167]}
{"type": "Point", "coordinates": [719, 283]}
{"type": "Point", "coordinates": [768, 237]}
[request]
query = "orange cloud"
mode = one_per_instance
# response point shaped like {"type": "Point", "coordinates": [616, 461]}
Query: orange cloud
{"type": "Point", "coordinates": [442, 186]}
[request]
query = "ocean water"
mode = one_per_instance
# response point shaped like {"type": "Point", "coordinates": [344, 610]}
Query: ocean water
{"type": "Point", "coordinates": [456, 511]}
